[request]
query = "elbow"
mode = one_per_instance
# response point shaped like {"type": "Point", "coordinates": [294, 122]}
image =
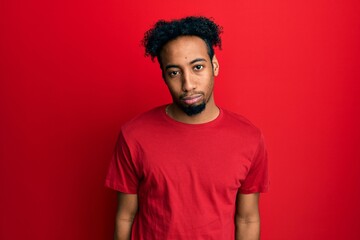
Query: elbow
{"type": "Point", "coordinates": [247, 219]}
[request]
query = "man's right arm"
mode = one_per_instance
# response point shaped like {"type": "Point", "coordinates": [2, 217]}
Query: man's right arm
{"type": "Point", "coordinates": [127, 209]}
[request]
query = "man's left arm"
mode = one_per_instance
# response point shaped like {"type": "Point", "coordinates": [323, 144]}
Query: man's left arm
{"type": "Point", "coordinates": [247, 217]}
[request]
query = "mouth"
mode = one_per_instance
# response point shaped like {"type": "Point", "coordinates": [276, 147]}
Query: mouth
{"type": "Point", "coordinates": [189, 100]}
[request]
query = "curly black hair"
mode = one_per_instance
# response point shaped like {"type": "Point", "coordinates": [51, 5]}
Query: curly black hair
{"type": "Point", "coordinates": [165, 31]}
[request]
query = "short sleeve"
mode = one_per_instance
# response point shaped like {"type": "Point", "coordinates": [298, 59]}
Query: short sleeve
{"type": "Point", "coordinates": [122, 175]}
{"type": "Point", "coordinates": [257, 179]}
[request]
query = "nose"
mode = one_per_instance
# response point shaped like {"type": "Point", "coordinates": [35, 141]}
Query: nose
{"type": "Point", "coordinates": [188, 83]}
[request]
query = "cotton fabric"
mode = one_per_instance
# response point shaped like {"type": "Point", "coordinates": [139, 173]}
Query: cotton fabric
{"type": "Point", "coordinates": [187, 176]}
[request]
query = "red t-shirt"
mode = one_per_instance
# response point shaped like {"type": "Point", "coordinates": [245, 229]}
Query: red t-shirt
{"type": "Point", "coordinates": [187, 175]}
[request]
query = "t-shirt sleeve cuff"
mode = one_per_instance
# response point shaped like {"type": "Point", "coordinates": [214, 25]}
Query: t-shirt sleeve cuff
{"type": "Point", "coordinates": [120, 188]}
{"type": "Point", "coordinates": [259, 189]}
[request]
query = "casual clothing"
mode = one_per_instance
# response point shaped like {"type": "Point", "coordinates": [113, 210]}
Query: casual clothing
{"type": "Point", "coordinates": [187, 175]}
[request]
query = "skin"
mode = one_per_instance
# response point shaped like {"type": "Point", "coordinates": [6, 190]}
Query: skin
{"type": "Point", "coordinates": [189, 75]}
{"type": "Point", "coordinates": [247, 217]}
{"type": "Point", "coordinates": [127, 209]}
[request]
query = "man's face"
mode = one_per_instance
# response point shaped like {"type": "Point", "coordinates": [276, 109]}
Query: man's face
{"type": "Point", "coordinates": [189, 73]}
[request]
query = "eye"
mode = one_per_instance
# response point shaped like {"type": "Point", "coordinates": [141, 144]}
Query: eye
{"type": "Point", "coordinates": [173, 73]}
{"type": "Point", "coordinates": [198, 67]}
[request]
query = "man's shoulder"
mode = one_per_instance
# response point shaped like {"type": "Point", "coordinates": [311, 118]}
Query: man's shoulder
{"type": "Point", "coordinates": [147, 119]}
{"type": "Point", "coordinates": [239, 122]}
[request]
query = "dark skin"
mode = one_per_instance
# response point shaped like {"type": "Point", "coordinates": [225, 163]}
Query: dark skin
{"type": "Point", "coordinates": [189, 75]}
{"type": "Point", "coordinates": [127, 209]}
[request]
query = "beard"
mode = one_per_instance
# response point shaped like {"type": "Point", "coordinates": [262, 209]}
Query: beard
{"type": "Point", "coordinates": [191, 110]}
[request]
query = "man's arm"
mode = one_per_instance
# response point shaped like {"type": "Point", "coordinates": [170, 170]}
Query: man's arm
{"type": "Point", "coordinates": [127, 209]}
{"type": "Point", "coordinates": [247, 217]}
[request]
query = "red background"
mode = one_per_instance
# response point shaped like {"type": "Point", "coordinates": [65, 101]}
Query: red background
{"type": "Point", "coordinates": [73, 71]}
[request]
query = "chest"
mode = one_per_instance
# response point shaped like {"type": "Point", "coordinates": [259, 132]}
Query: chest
{"type": "Point", "coordinates": [215, 162]}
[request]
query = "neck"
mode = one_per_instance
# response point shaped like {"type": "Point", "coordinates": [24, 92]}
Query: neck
{"type": "Point", "coordinates": [210, 113]}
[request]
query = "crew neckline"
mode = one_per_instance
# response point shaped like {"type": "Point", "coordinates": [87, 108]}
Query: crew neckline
{"type": "Point", "coordinates": [189, 125]}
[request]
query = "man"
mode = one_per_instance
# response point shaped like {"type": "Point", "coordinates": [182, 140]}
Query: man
{"type": "Point", "coordinates": [188, 170]}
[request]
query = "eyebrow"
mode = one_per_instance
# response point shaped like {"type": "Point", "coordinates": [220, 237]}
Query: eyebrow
{"type": "Point", "coordinates": [198, 60]}
{"type": "Point", "coordinates": [192, 62]}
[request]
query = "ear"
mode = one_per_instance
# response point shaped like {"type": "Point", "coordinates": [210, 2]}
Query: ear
{"type": "Point", "coordinates": [163, 75]}
{"type": "Point", "coordinates": [215, 64]}
{"type": "Point", "coordinates": [162, 71]}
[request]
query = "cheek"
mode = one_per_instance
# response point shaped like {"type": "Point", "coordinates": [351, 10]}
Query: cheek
{"type": "Point", "coordinates": [173, 88]}
{"type": "Point", "coordinates": [210, 84]}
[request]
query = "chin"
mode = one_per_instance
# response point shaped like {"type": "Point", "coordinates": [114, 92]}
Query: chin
{"type": "Point", "coordinates": [193, 109]}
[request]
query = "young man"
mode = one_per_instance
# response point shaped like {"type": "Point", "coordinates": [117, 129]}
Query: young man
{"type": "Point", "coordinates": [188, 170]}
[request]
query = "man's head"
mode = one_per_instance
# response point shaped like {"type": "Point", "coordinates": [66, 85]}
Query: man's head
{"type": "Point", "coordinates": [165, 31]}
{"type": "Point", "coordinates": [184, 49]}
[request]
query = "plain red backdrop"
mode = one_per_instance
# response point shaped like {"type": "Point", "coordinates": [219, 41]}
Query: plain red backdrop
{"type": "Point", "coordinates": [73, 71]}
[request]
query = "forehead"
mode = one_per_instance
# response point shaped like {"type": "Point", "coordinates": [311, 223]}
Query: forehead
{"type": "Point", "coordinates": [184, 48]}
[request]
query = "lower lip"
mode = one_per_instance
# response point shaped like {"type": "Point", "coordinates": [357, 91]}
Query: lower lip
{"type": "Point", "coordinates": [192, 100]}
